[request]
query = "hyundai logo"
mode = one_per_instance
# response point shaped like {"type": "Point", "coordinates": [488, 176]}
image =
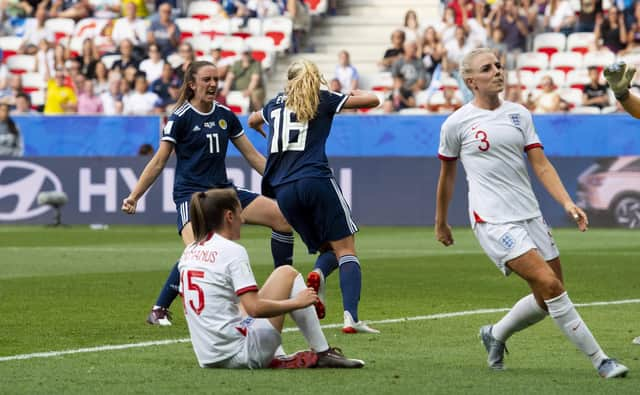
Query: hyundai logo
{"type": "Point", "coordinates": [26, 189]}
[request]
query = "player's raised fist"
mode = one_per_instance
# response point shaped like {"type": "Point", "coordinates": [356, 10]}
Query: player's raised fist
{"type": "Point", "coordinates": [129, 205]}
{"type": "Point", "coordinates": [619, 76]}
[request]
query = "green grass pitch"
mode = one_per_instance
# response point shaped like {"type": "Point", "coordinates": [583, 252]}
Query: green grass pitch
{"type": "Point", "coordinates": [67, 289]}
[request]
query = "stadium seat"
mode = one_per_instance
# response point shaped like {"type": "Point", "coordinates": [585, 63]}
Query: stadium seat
{"type": "Point", "coordinates": [523, 78]}
{"type": "Point", "coordinates": [262, 50]}
{"type": "Point", "coordinates": [578, 78]}
{"type": "Point", "coordinates": [62, 28]}
{"type": "Point", "coordinates": [75, 46]}
{"type": "Point", "coordinates": [631, 58]}
{"type": "Point", "coordinates": [382, 81]}
{"type": "Point", "coordinates": [89, 27]}
{"type": "Point", "coordinates": [317, 7]}
{"type": "Point", "coordinates": [558, 77]}
{"type": "Point", "coordinates": [279, 30]}
{"type": "Point", "coordinates": [201, 44]}
{"type": "Point", "coordinates": [237, 102]}
{"type": "Point", "coordinates": [585, 110]}
{"type": "Point", "coordinates": [109, 60]}
{"type": "Point", "coordinates": [215, 27]}
{"type": "Point", "coordinates": [580, 42]}
{"type": "Point", "coordinates": [20, 64]}
{"type": "Point", "coordinates": [532, 61]}
{"type": "Point", "coordinates": [566, 61]}
{"type": "Point", "coordinates": [37, 99]}
{"type": "Point", "coordinates": [32, 82]}
{"type": "Point", "coordinates": [189, 27]}
{"type": "Point", "coordinates": [549, 43]}
{"type": "Point", "coordinates": [254, 26]}
{"type": "Point", "coordinates": [422, 98]}
{"type": "Point", "coordinates": [204, 9]}
{"type": "Point", "coordinates": [600, 59]}
{"type": "Point", "coordinates": [572, 96]}
{"type": "Point", "coordinates": [10, 46]}
{"type": "Point", "coordinates": [231, 46]}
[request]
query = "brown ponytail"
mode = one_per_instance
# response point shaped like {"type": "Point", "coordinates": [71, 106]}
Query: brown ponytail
{"type": "Point", "coordinates": [207, 210]}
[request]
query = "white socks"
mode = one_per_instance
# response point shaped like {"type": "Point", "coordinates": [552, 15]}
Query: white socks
{"type": "Point", "coordinates": [523, 314]}
{"type": "Point", "coordinates": [564, 314]}
{"type": "Point", "coordinates": [307, 320]}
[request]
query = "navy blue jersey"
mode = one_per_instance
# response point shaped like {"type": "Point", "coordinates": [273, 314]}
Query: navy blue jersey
{"type": "Point", "coordinates": [200, 142]}
{"type": "Point", "coordinates": [297, 149]}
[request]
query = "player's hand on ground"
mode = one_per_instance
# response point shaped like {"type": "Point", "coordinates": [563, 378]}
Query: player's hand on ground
{"type": "Point", "coordinates": [619, 76]}
{"type": "Point", "coordinates": [579, 216]}
{"type": "Point", "coordinates": [129, 205]}
{"type": "Point", "coordinates": [306, 297]}
{"type": "Point", "coordinates": [443, 234]}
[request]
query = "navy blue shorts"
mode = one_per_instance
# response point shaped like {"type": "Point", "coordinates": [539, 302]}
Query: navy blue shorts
{"type": "Point", "coordinates": [245, 196]}
{"type": "Point", "coordinates": [316, 209]}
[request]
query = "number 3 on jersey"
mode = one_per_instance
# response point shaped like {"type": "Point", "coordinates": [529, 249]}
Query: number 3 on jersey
{"type": "Point", "coordinates": [190, 285]}
{"type": "Point", "coordinates": [285, 130]}
{"type": "Point", "coordinates": [484, 143]}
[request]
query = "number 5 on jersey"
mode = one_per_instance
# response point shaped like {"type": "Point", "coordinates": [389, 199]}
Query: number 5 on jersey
{"type": "Point", "coordinates": [285, 130]}
{"type": "Point", "coordinates": [187, 284]}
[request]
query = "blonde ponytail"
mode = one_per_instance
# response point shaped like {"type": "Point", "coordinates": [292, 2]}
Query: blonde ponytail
{"type": "Point", "coordinates": [303, 89]}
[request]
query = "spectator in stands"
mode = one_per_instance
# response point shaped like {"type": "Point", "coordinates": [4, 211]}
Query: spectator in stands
{"type": "Point", "coordinates": [400, 97]}
{"type": "Point", "coordinates": [461, 8]}
{"type": "Point", "coordinates": [112, 98]}
{"type": "Point", "coordinates": [153, 65]}
{"type": "Point", "coordinates": [451, 101]}
{"type": "Point", "coordinates": [101, 78]}
{"type": "Point", "coordinates": [29, 7]}
{"type": "Point", "coordinates": [105, 9]}
{"type": "Point", "coordinates": [188, 55]}
{"type": "Point", "coordinates": [74, 9]}
{"type": "Point", "coordinates": [455, 51]}
{"type": "Point", "coordinates": [589, 10]}
{"type": "Point", "coordinates": [174, 95]}
{"type": "Point", "coordinates": [141, 10]}
{"type": "Point", "coordinates": [476, 27]}
{"type": "Point", "coordinates": [514, 27]}
{"type": "Point", "coordinates": [595, 94]}
{"type": "Point", "coordinates": [76, 78]}
{"type": "Point", "coordinates": [412, 30]}
{"type": "Point", "coordinates": [513, 93]}
{"type": "Point", "coordinates": [411, 68]}
{"type": "Point", "coordinates": [160, 86]}
{"type": "Point", "coordinates": [447, 28]}
{"type": "Point", "coordinates": [60, 98]}
{"type": "Point", "coordinates": [10, 92]}
{"type": "Point", "coordinates": [611, 31]}
{"type": "Point", "coordinates": [130, 27]}
{"type": "Point", "coordinates": [298, 11]}
{"type": "Point", "coordinates": [88, 58]}
{"type": "Point", "coordinates": [633, 32]}
{"type": "Point", "coordinates": [141, 101]}
{"type": "Point", "coordinates": [560, 16]}
{"type": "Point", "coordinates": [23, 105]}
{"type": "Point", "coordinates": [36, 32]}
{"type": "Point", "coordinates": [496, 42]}
{"type": "Point", "coordinates": [222, 64]}
{"type": "Point", "coordinates": [432, 50]}
{"type": "Point", "coordinates": [146, 149]}
{"type": "Point", "coordinates": [11, 143]}
{"type": "Point", "coordinates": [391, 55]}
{"type": "Point", "coordinates": [164, 32]}
{"type": "Point", "coordinates": [88, 102]}
{"type": "Point", "coordinates": [346, 73]}
{"type": "Point", "coordinates": [129, 76]}
{"type": "Point", "coordinates": [246, 76]}
{"type": "Point", "coordinates": [335, 85]}
{"type": "Point", "coordinates": [127, 57]}
{"type": "Point", "coordinates": [45, 60]}
{"type": "Point", "coordinates": [60, 56]}
{"type": "Point", "coordinates": [534, 11]}
{"type": "Point", "coordinates": [262, 9]}
{"type": "Point", "coordinates": [548, 101]}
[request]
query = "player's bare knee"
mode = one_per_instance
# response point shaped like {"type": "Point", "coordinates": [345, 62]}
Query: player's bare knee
{"type": "Point", "coordinates": [551, 287]}
{"type": "Point", "coordinates": [286, 271]}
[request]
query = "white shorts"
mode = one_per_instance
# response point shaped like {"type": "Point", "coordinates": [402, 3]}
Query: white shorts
{"type": "Point", "coordinates": [259, 347]}
{"type": "Point", "coordinates": [504, 242]}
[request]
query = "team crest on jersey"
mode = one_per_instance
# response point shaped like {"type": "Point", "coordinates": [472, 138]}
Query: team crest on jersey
{"type": "Point", "coordinates": [223, 124]}
{"type": "Point", "coordinates": [507, 241]}
{"type": "Point", "coordinates": [209, 125]}
{"type": "Point", "coordinates": [515, 119]}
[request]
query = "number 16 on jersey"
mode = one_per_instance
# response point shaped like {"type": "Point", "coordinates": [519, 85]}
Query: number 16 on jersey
{"type": "Point", "coordinates": [285, 130]}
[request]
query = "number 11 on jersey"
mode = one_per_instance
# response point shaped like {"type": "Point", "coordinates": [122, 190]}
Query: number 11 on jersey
{"type": "Point", "coordinates": [214, 143]}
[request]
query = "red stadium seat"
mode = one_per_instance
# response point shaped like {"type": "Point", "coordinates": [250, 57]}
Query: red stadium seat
{"type": "Point", "coordinates": [549, 43]}
{"type": "Point", "coordinates": [279, 29]}
{"type": "Point", "coordinates": [204, 9]}
{"type": "Point", "coordinates": [62, 28]}
{"type": "Point", "coordinates": [262, 50]}
{"type": "Point", "coordinates": [580, 42]}
{"type": "Point", "coordinates": [532, 61]}
{"type": "Point", "coordinates": [566, 61]}
{"type": "Point", "coordinates": [317, 7]}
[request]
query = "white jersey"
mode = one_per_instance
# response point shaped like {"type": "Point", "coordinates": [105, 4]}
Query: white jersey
{"type": "Point", "coordinates": [491, 145]}
{"type": "Point", "coordinates": [213, 273]}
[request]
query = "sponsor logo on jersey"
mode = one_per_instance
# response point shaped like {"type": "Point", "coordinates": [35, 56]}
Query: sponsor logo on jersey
{"type": "Point", "coordinates": [33, 180]}
{"type": "Point", "coordinates": [515, 119]}
{"type": "Point", "coordinates": [507, 241]}
{"type": "Point", "coordinates": [196, 128]}
{"type": "Point", "coordinates": [223, 124]}
{"type": "Point", "coordinates": [209, 125]}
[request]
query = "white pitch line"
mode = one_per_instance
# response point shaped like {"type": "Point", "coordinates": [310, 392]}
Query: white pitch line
{"type": "Point", "coordinates": [113, 347]}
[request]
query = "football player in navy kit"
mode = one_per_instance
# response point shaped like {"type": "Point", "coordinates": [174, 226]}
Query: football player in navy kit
{"type": "Point", "coordinates": [199, 130]}
{"type": "Point", "coordinates": [298, 176]}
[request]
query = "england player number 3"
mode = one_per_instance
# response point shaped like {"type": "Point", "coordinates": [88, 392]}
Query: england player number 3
{"type": "Point", "coordinates": [484, 143]}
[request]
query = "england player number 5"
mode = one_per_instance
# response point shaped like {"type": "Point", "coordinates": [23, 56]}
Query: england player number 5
{"type": "Point", "coordinates": [284, 131]}
{"type": "Point", "coordinates": [191, 286]}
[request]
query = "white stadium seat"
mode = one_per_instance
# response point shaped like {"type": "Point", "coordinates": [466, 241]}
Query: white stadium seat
{"type": "Point", "coordinates": [566, 61]}
{"type": "Point", "coordinates": [549, 43]}
{"type": "Point", "coordinates": [204, 9]}
{"type": "Point", "coordinates": [580, 42]}
{"type": "Point", "coordinates": [532, 61]}
{"type": "Point", "coordinates": [279, 29]}
{"type": "Point", "coordinates": [237, 102]}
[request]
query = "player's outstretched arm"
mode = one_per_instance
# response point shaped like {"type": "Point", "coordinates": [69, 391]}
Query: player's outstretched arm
{"type": "Point", "coordinates": [151, 171]}
{"type": "Point", "coordinates": [549, 178]}
{"type": "Point", "coordinates": [256, 122]}
{"type": "Point", "coordinates": [619, 76]}
{"type": "Point", "coordinates": [250, 153]}
{"type": "Point", "coordinates": [444, 194]}
{"type": "Point", "coordinates": [258, 307]}
{"type": "Point", "coordinates": [362, 99]}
